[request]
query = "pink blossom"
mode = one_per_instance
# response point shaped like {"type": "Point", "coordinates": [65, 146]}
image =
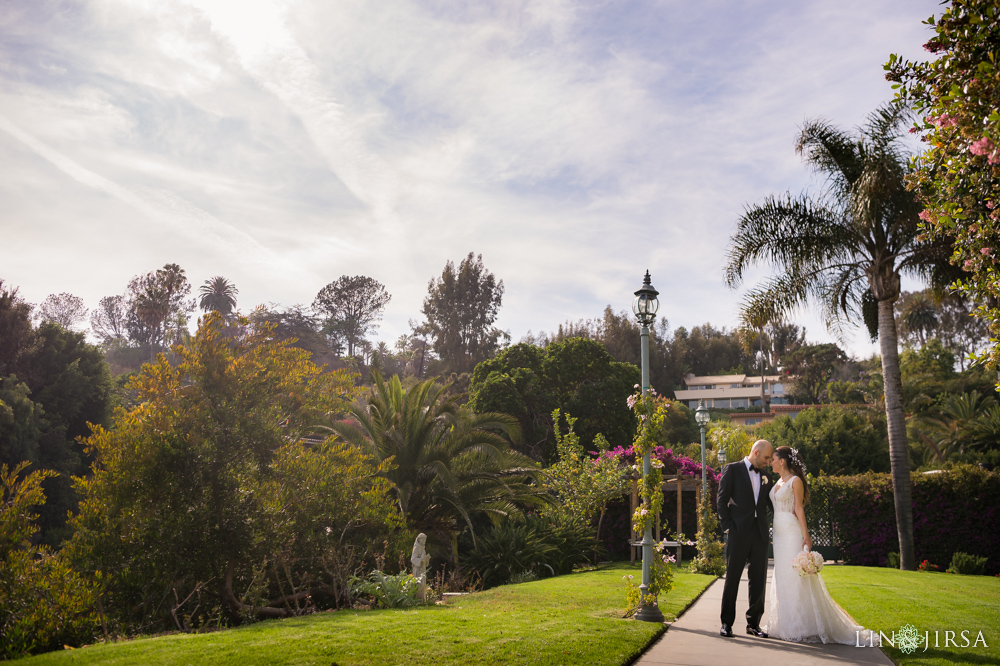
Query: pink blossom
{"type": "Point", "coordinates": [925, 216]}
{"type": "Point", "coordinates": [990, 205]}
{"type": "Point", "coordinates": [985, 250]}
{"type": "Point", "coordinates": [981, 147]}
{"type": "Point", "coordinates": [967, 265]}
{"type": "Point", "coordinates": [944, 120]}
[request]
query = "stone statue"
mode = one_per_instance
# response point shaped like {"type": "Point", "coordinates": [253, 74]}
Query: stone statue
{"type": "Point", "coordinates": [420, 560]}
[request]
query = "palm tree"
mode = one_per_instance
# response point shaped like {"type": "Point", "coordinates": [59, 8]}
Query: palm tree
{"type": "Point", "coordinates": [846, 249]}
{"type": "Point", "coordinates": [448, 464]}
{"type": "Point", "coordinates": [218, 295]}
{"type": "Point", "coordinates": [964, 420]}
{"type": "Point", "coordinates": [918, 316]}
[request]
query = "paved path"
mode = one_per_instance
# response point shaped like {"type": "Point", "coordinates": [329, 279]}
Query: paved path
{"type": "Point", "coordinates": [694, 640]}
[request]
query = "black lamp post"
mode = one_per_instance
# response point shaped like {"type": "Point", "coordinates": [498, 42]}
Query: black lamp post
{"type": "Point", "coordinates": [702, 416]}
{"type": "Point", "coordinates": [644, 307]}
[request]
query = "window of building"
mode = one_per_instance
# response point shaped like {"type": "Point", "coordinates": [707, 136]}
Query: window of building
{"type": "Point", "coordinates": [753, 421]}
{"type": "Point", "coordinates": [735, 385]}
{"type": "Point", "coordinates": [777, 389]}
{"type": "Point", "coordinates": [739, 402]}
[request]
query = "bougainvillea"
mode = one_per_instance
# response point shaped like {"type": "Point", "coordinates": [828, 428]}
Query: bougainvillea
{"type": "Point", "coordinates": [616, 526]}
{"type": "Point", "coordinates": [957, 98]}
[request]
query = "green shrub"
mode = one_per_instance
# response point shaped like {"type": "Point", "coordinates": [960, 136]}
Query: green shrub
{"type": "Point", "coordinates": [834, 439]}
{"type": "Point", "coordinates": [388, 591]}
{"type": "Point", "coordinates": [957, 510]}
{"type": "Point", "coordinates": [538, 546]}
{"type": "Point", "coordinates": [892, 560]}
{"type": "Point", "coordinates": [710, 559]}
{"type": "Point", "coordinates": [661, 579]}
{"type": "Point", "coordinates": [968, 565]}
{"type": "Point", "coordinates": [44, 604]}
{"type": "Point", "coordinates": [525, 577]}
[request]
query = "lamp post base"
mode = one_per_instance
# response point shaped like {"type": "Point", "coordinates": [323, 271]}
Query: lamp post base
{"type": "Point", "coordinates": [649, 613]}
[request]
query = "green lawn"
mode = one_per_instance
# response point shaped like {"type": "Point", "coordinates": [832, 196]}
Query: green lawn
{"type": "Point", "coordinates": [571, 619]}
{"type": "Point", "coordinates": [886, 599]}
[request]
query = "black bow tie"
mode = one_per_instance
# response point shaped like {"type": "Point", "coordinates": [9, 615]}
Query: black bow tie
{"type": "Point", "coordinates": [754, 470]}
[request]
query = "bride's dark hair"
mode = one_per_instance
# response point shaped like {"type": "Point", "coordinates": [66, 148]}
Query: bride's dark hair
{"type": "Point", "coordinates": [797, 467]}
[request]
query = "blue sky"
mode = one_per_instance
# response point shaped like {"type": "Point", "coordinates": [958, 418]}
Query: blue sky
{"type": "Point", "coordinates": [285, 143]}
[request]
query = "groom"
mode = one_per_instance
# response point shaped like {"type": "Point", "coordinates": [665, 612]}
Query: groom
{"type": "Point", "coordinates": [743, 505]}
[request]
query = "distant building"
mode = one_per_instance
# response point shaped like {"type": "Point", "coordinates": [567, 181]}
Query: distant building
{"type": "Point", "coordinates": [755, 418]}
{"type": "Point", "coordinates": [731, 391]}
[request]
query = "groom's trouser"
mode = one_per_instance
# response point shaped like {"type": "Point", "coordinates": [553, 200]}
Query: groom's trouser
{"type": "Point", "coordinates": [748, 548]}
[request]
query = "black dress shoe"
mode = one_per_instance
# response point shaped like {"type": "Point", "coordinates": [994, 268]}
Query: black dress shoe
{"type": "Point", "coordinates": [756, 631]}
{"type": "Point", "coordinates": [726, 631]}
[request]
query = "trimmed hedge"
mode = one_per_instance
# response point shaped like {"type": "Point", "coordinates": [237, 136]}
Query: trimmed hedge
{"type": "Point", "coordinates": [953, 511]}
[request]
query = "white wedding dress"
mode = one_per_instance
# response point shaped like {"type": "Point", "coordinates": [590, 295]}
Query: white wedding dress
{"type": "Point", "coordinates": [801, 609]}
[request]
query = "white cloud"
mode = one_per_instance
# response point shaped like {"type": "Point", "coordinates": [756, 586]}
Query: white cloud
{"type": "Point", "coordinates": [289, 142]}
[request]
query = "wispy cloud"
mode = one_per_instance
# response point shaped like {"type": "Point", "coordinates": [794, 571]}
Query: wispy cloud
{"type": "Point", "coordinates": [287, 142]}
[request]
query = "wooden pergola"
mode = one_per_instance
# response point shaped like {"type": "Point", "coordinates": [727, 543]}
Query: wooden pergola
{"type": "Point", "coordinates": [674, 483]}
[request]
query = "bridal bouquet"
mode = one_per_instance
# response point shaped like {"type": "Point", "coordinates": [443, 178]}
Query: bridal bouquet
{"type": "Point", "coordinates": [808, 563]}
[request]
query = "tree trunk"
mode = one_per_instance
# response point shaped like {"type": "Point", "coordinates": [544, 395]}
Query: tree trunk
{"type": "Point", "coordinates": [899, 455]}
{"type": "Point", "coordinates": [763, 402]}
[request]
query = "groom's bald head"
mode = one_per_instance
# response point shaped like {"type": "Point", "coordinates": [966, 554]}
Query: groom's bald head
{"type": "Point", "coordinates": [761, 453]}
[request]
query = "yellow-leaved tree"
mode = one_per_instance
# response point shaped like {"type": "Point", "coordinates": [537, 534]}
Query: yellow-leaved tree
{"type": "Point", "coordinates": [205, 505]}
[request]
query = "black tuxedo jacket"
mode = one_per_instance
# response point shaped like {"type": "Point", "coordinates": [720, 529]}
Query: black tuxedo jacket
{"type": "Point", "coordinates": [736, 505]}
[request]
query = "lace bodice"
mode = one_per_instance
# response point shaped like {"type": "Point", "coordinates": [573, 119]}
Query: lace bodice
{"type": "Point", "coordinates": [783, 497]}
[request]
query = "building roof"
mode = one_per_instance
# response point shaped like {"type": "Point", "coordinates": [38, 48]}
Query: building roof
{"type": "Point", "coordinates": [726, 392]}
{"type": "Point", "coordinates": [693, 380]}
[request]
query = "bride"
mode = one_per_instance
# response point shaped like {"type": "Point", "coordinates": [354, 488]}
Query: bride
{"type": "Point", "coordinates": [801, 609]}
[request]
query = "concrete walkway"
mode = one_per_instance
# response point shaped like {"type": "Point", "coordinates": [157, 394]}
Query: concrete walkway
{"type": "Point", "coordinates": [694, 640]}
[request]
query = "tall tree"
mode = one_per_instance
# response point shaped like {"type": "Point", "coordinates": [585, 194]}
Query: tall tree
{"type": "Point", "coordinates": [846, 248]}
{"type": "Point", "coordinates": [109, 320]}
{"type": "Point", "coordinates": [16, 331]}
{"type": "Point", "coordinates": [193, 467]}
{"type": "Point", "coordinates": [299, 326]}
{"type": "Point", "coordinates": [576, 375]}
{"type": "Point", "coordinates": [218, 295]}
{"type": "Point", "coordinates": [958, 177]}
{"type": "Point", "coordinates": [916, 317]}
{"type": "Point", "coordinates": [353, 306]}
{"type": "Point", "coordinates": [813, 367]}
{"type": "Point", "coordinates": [156, 298]}
{"type": "Point", "coordinates": [64, 309]}
{"type": "Point", "coordinates": [959, 329]}
{"type": "Point", "coordinates": [460, 308]}
{"type": "Point", "coordinates": [53, 384]}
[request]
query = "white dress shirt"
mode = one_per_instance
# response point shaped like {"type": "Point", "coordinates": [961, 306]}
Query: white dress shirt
{"type": "Point", "coordinates": [754, 481]}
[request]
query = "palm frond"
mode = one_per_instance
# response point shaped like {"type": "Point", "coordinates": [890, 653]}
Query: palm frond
{"type": "Point", "coordinates": [792, 234]}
